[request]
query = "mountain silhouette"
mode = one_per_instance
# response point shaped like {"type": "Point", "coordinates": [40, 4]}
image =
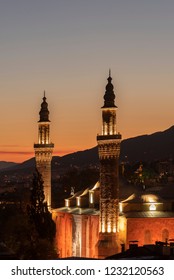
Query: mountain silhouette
{"type": "Point", "coordinates": [156, 146]}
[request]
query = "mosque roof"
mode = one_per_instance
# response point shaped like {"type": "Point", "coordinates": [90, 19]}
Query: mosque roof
{"type": "Point", "coordinates": [78, 211]}
{"type": "Point", "coordinates": [143, 197]}
{"type": "Point", "coordinates": [75, 195]}
{"type": "Point", "coordinates": [96, 186]}
{"type": "Point", "coordinates": [149, 214]}
{"type": "Point", "coordinates": [84, 192]}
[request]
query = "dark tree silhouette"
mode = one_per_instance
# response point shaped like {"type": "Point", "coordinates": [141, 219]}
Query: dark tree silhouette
{"type": "Point", "coordinates": [29, 234]}
{"type": "Point", "coordinates": [39, 215]}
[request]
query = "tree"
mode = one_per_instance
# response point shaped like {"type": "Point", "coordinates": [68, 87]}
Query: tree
{"type": "Point", "coordinates": [38, 211]}
{"type": "Point", "coordinates": [43, 227]}
{"type": "Point", "coordinates": [29, 234]}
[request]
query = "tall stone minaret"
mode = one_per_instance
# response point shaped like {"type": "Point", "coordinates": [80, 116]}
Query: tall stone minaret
{"type": "Point", "coordinates": [109, 151]}
{"type": "Point", "coordinates": [44, 149]}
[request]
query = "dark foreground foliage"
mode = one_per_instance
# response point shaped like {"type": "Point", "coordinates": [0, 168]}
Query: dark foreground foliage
{"type": "Point", "coordinates": [29, 232]}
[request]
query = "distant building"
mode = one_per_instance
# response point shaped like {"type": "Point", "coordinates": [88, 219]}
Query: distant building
{"type": "Point", "coordinates": [166, 170]}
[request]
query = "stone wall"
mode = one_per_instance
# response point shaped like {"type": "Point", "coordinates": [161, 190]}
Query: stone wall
{"type": "Point", "coordinates": [149, 230]}
{"type": "Point", "coordinates": [76, 235]}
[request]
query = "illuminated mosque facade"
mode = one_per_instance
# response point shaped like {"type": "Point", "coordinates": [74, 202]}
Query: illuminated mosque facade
{"type": "Point", "coordinates": [103, 219]}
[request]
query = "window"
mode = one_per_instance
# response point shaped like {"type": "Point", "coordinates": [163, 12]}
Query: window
{"type": "Point", "coordinates": [165, 235]}
{"type": "Point", "coordinates": [147, 237]}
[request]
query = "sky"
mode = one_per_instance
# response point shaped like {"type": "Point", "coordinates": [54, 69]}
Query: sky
{"type": "Point", "coordinates": [66, 48]}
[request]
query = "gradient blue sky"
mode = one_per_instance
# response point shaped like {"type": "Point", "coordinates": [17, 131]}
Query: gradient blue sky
{"type": "Point", "coordinates": [66, 47]}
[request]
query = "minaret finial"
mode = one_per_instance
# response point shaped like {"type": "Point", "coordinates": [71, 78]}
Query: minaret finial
{"type": "Point", "coordinates": [44, 113]}
{"type": "Point", "coordinates": [109, 96]}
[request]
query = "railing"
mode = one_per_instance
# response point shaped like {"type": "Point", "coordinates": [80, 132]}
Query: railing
{"type": "Point", "coordinates": [107, 137]}
{"type": "Point", "coordinates": [51, 145]}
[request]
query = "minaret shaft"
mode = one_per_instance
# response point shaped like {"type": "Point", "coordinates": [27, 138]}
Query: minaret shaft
{"type": "Point", "coordinates": [43, 150]}
{"type": "Point", "coordinates": [109, 151]}
{"type": "Point", "coordinates": [44, 133]}
{"type": "Point", "coordinates": [109, 121]}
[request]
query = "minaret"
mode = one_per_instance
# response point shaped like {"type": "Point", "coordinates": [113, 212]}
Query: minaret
{"type": "Point", "coordinates": [44, 149]}
{"type": "Point", "coordinates": [109, 151]}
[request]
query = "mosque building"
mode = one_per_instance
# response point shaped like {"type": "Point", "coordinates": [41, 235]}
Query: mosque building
{"type": "Point", "coordinates": [104, 219]}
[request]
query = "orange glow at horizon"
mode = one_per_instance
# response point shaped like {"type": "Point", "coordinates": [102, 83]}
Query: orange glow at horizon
{"type": "Point", "coordinates": [21, 156]}
{"type": "Point", "coordinates": [67, 49]}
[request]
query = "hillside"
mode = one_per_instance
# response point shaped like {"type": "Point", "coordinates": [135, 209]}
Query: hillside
{"type": "Point", "coordinates": [6, 164]}
{"type": "Point", "coordinates": [156, 146]}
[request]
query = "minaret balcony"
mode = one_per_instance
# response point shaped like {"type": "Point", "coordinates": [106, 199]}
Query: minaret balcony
{"type": "Point", "coordinates": [109, 137]}
{"type": "Point", "coordinates": [51, 145]}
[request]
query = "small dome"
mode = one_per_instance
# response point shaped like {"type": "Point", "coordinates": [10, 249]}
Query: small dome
{"type": "Point", "coordinates": [149, 198]}
{"type": "Point", "coordinates": [143, 198]}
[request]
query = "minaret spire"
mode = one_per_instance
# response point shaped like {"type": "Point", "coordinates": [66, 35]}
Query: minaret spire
{"type": "Point", "coordinates": [44, 113]}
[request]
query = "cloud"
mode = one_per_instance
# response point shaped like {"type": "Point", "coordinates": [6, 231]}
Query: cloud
{"type": "Point", "coordinates": [31, 153]}
{"type": "Point", "coordinates": [13, 146]}
{"type": "Point", "coordinates": [16, 153]}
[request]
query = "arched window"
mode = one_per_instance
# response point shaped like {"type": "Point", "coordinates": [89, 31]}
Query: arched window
{"type": "Point", "coordinates": [147, 237]}
{"type": "Point", "coordinates": [165, 235]}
